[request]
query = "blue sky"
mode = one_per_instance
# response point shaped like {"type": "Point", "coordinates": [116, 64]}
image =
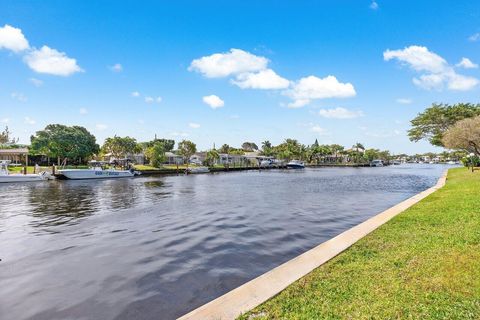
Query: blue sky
{"type": "Point", "coordinates": [337, 71]}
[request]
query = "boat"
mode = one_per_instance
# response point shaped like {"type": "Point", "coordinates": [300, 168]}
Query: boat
{"type": "Point", "coordinates": [6, 176]}
{"type": "Point", "coordinates": [376, 163]}
{"type": "Point", "coordinates": [396, 162]}
{"type": "Point", "coordinates": [266, 163]}
{"type": "Point", "coordinates": [295, 164]}
{"type": "Point", "coordinates": [97, 170]}
{"type": "Point", "coordinates": [192, 170]}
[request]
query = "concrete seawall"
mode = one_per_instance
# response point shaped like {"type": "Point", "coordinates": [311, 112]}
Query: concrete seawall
{"type": "Point", "coordinates": [253, 293]}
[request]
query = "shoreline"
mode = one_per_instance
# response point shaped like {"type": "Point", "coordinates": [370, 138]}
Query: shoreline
{"type": "Point", "coordinates": [253, 293]}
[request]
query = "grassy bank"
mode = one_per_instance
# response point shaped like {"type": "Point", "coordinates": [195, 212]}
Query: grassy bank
{"type": "Point", "coordinates": [423, 264]}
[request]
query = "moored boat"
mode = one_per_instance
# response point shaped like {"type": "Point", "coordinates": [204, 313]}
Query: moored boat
{"type": "Point", "coordinates": [6, 176]}
{"type": "Point", "coordinates": [295, 164]}
{"type": "Point", "coordinates": [96, 171]}
{"type": "Point", "coordinates": [198, 170]}
{"type": "Point", "coordinates": [376, 163]}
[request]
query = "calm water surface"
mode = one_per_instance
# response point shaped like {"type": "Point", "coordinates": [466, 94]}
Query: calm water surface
{"type": "Point", "coordinates": [157, 247]}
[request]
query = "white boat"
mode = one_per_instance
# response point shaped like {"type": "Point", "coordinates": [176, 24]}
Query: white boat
{"type": "Point", "coordinates": [296, 164]}
{"type": "Point", "coordinates": [266, 163]}
{"type": "Point", "coordinates": [198, 170]}
{"type": "Point", "coordinates": [96, 171]}
{"type": "Point", "coordinates": [376, 163]}
{"type": "Point", "coordinates": [5, 176]}
{"type": "Point", "coordinates": [396, 162]}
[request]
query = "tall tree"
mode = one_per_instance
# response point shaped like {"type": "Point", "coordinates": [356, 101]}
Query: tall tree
{"type": "Point", "coordinates": [60, 141]}
{"type": "Point", "coordinates": [187, 149]}
{"type": "Point", "coordinates": [120, 147]}
{"type": "Point", "coordinates": [156, 154]}
{"type": "Point", "coordinates": [249, 146]}
{"type": "Point", "coordinates": [211, 157]}
{"type": "Point", "coordinates": [224, 149]}
{"type": "Point", "coordinates": [464, 135]}
{"type": "Point", "coordinates": [6, 138]}
{"type": "Point", "coordinates": [435, 120]}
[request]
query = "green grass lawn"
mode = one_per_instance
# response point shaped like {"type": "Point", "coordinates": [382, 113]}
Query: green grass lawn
{"type": "Point", "coordinates": [423, 264]}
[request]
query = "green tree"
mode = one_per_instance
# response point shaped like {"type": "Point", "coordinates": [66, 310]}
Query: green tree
{"type": "Point", "coordinates": [60, 141]}
{"type": "Point", "coordinates": [156, 154]}
{"type": "Point", "coordinates": [120, 147]}
{"type": "Point", "coordinates": [432, 123]}
{"type": "Point", "coordinates": [249, 146]}
{"type": "Point", "coordinates": [211, 157]}
{"type": "Point", "coordinates": [6, 138]}
{"type": "Point", "coordinates": [224, 149]}
{"type": "Point", "coordinates": [187, 149]}
{"type": "Point", "coordinates": [267, 149]}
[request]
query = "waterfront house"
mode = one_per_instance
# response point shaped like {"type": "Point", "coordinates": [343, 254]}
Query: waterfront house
{"type": "Point", "coordinates": [172, 158]}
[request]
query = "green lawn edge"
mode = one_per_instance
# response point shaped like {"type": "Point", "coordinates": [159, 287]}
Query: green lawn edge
{"type": "Point", "coordinates": [423, 264]}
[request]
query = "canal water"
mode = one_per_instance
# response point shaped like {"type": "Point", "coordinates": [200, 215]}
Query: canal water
{"type": "Point", "coordinates": [157, 247]}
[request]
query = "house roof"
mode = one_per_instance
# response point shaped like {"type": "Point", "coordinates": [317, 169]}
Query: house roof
{"type": "Point", "coordinates": [21, 151]}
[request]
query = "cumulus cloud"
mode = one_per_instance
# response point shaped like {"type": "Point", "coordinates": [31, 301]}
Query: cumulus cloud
{"type": "Point", "coordinates": [194, 125]}
{"type": "Point", "coordinates": [404, 100]}
{"type": "Point", "coordinates": [36, 82]}
{"type": "Point", "coordinates": [18, 96]}
{"type": "Point", "coordinates": [339, 113]}
{"type": "Point", "coordinates": [436, 72]}
{"type": "Point", "coordinates": [135, 94]}
{"type": "Point", "coordinates": [467, 64]}
{"type": "Point", "coordinates": [30, 121]}
{"type": "Point", "coordinates": [50, 61]}
{"type": "Point", "coordinates": [374, 5]}
{"type": "Point", "coordinates": [83, 111]}
{"type": "Point", "coordinates": [264, 79]}
{"type": "Point", "coordinates": [213, 101]}
{"type": "Point", "coordinates": [311, 88]}
{"type": "Point", "coordinates": [234, 62]}
{"type": "Point", "coordinates": [13, 39]}
{"type": "Point", "coordinates": [117, 67]}
{"type": "Point", "coordinates": [5, 120]}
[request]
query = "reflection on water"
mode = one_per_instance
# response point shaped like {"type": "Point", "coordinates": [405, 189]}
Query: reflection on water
{"type": "Point", "coordinates": [144, 247]}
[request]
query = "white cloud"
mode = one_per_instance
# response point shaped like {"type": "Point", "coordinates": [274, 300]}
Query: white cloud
{"type": "Point", "coordinates": [5, 120]}
{"type": "Point", "coordinates": [12, 39]}
{"type": "Point", "coordinates": [437, 73]}
{"type": "Point", "coordinates": [264, 79]}
{"type": "Point", "coordinates": [339, 113]}
{"type": "Point", "coordinates": [152, 100]}
{"type": "Point", "coordinates": [18, 96]}
{"type": "Point", "coordinates": [319, 130]}
{"type": "Point", "coordinates": [234, 116]}
{"type": "Point", "coordinates": [117, 67]}
{"type": "Point", "coordinates": [404, 100]}
{"type": "Point", "coordinates": [51, 61]}
{"type": "Point", "coordinates": [179, 134]}
{"type": "Point", "coordinates": [418, 58]}
{"type": "Point", "coordinates": [213, 101]}
{"type": "Point", "coordinates": [374, 5]}
{"type": "Point", "coordinates": [467, 64]}
{"type": "Point", "coordinates": [474, 37]}
{"type": "Point", "coordinates": [83, 111]}
{"type": "Point", "coordinates": [30, 121]}
{"type": "Point", "coordinates": [36, 82]}
{"type": "Point", "coordinates": [234, 62]}
{"type": "Point", "coordinates": [135, 94]}
{"type": "Point", "coordinates": [311, 88]}
{"type": "Point", "coordinates": [194, 125]}
{"type": "Point", "coordinates": [101, 126]}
